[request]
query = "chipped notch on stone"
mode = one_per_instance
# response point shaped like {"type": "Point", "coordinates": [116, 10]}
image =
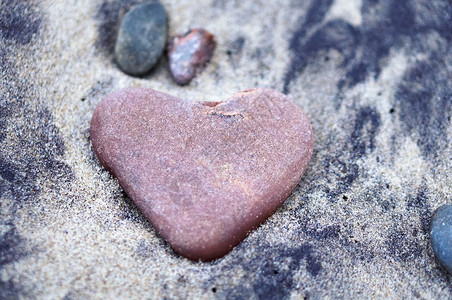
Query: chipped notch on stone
{"type": "Point", "coordinates": [213, 110]}
{"type": "Point", "coordinates": [211, 103]}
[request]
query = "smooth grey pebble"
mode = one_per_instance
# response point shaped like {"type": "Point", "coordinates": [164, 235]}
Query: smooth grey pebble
{"type": "Point", "coordinates": [141, 38]}
{"type": "Point", "coordinates": [441, 235]}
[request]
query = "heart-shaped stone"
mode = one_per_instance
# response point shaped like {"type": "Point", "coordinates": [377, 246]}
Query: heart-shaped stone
{"type": "Point", "coordinates": [203, 173]}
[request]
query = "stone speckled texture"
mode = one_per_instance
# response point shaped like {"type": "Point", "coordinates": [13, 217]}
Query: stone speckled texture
{"type": "Point", "coordinates": [441, 235]}
{"type": "Point", "coordinates": [189, 53]}
{"type": "Point", "coordinates": [372, 76]}
{"type": "Point", "coordinates": [204, 174]}
{"type": "Point", "coordinates": [141, 38]}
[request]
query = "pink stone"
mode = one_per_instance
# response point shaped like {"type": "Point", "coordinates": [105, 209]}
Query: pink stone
{"type": "Point", "coordinates": [188, 54]}
{"type": "Point", "coordinates": [203, 173]}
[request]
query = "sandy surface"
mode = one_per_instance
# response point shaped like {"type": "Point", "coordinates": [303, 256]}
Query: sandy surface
{"type": "Point", "coordinates": [374, 77]}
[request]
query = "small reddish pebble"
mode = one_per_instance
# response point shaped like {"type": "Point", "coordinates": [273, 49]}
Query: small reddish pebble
{"type": "Point", "coordinates": [204, 174]}
{"type": "Point", "coordinates": [188, 54]}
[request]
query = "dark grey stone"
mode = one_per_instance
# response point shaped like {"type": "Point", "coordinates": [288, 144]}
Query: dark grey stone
{"type": "Point", "coordinates": [141, 38]}
{"type": "Point", "coordinates": [441, 235]}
